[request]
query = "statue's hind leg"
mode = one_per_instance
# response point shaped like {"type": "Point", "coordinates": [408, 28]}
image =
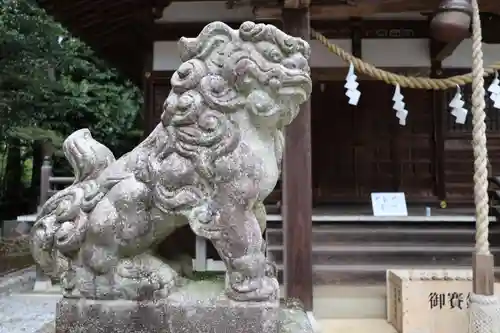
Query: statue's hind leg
{"type": "Point", "coordinates": [142, 277]}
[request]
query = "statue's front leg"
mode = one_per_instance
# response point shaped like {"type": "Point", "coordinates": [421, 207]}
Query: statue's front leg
{"type": "Point", "coordinates": [241, 246]}
{"type": "Point", "coordinates": [260, 213]}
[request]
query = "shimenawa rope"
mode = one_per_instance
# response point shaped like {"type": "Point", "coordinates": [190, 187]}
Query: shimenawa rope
{"type": "Point", "coordinates": [403, 81]}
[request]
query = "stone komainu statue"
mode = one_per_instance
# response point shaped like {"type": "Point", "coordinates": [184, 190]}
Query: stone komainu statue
{"type": "Point", "coordinates": [210, 163]}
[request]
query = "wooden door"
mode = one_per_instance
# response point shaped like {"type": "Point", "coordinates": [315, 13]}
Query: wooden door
{"type": "Point", "coordinates": [157, 91]}
{"type": "Point", "coordinates": [363, 149]}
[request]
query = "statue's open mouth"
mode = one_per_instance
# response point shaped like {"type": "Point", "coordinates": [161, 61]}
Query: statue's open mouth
{"type": "Point", "coordinates": [298, 85]}
{"type": "Point", "coordinates": [295, 92]}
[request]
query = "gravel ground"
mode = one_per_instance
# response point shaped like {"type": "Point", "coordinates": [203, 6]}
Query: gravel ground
{"type": "Point", "coordinates": [26, 313]}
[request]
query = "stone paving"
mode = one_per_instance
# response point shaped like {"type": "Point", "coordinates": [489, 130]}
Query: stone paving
{"type": "Point", "coordinates": [26, 313]}
{"type": "Point", "coordinates": [22, 310]}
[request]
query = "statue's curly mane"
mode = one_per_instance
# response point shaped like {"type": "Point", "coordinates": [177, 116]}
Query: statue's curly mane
{"type": "Point", "coordinates": [209, 86]}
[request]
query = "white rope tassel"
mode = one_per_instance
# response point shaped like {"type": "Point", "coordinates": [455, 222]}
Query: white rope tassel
{"type": "Point", "coordinates": [484, 310]}
{"type": "Point", "coordinates": [352, 86]}
{"type": "Point", "coordinates": [484, 314]}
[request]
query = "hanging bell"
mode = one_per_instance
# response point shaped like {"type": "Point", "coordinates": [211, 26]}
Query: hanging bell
{"type": "Point", "coordinates": [451, 21]}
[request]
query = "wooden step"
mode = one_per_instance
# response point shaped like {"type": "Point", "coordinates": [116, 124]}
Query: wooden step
{"type": "Point", "coordinates": [346, 234]}
{"type": "Point", "coordinates": [359, 253]}
{"type": "Point", "coordinates": [356, 325]}
{"type": "Point", "coordinates": [388, 254]}
{"type": "Point", "coordinates": [362, 275]}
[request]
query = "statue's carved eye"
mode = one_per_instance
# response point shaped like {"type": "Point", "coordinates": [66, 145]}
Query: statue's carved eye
{"type": "Point", "coordinates": [273, 55]}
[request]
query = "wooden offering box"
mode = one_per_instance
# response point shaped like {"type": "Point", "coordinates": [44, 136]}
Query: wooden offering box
{"type": "Point", "coordinates": [429, 301]}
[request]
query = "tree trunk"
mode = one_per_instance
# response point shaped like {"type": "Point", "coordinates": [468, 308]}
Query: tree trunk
{"type": "Point", "coordinates": [35, 175]}
{"type": "Point", "coordinates": [13, 179]}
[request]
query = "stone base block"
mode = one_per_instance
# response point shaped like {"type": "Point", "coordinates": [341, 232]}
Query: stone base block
{"type": "Point", "coordinates": [185, 311]}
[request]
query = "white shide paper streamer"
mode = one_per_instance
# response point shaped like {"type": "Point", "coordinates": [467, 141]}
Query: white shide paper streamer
{"type": "Point", "coordinates": [457, 107]}
{"type": "Point", "coordinates": [351, 85]}
{"type": "Point", "coordinates": [399, 105]}
{"type": "Point", "coordinates": [494, 90]}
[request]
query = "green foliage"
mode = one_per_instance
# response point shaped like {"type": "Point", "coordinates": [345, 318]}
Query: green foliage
{"type": "Point", "coordinates": [28, 169]}
{"type": "Point", "coordinates": [29, 133]}
{"type": "Point", "coordinates": [52, 81]}
{"type": "Point", "coordinates": [52, 84]}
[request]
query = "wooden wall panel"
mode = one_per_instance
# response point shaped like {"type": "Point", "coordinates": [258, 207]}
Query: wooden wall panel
{"type": "Point", "coordinates": [458, 154]}
{"type": "Point", "coordinates": [363, 149]}
{"type": "Point", "coordinates": [158, 90]}
{"type": "Point", "coordinates": [414, 143]}
{"type": "Point", "coordinates": [160, 94]}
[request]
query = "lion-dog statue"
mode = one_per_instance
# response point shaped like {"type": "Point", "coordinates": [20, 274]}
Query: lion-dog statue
{"type": "Point", "coordinates": [210, 163]}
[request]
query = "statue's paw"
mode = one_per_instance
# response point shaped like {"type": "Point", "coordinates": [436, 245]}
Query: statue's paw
{"type": "Point", "coordinates": [257, 290]}
{"type": "Point", "coordinates": [137, 281]}
{"type": "Point", "coordinates": [68, 281]}
{"type": "Point", "coordinates": [142, 288]}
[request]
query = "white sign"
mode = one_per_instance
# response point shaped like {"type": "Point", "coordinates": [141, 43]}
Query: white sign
{"type": "Point", "coordinates": [389, 204]}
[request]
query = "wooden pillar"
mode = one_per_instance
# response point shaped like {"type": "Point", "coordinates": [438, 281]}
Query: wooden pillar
{"type": "Point", "coordinates": [147, 93]}
{"type": "Point", "coordinates": [149, 14]}
{"type": "Point", "coordinates": [357, 37]}
{"type": "Point", "coordinates": [438, 52]}
{"type": "Point", "coordinates": [297, 185]}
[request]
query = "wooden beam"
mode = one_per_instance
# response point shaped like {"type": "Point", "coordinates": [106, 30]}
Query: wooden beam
{"type": "Point", "coordinates": [112, 33]}
{"type": "Point", "coordinates": [120, 14]}
{"type": "Point", "coordinates": [71, 10]}
{"type": "Point", "coordinates": [297, 186]}
{"type": "Point", "coordinates": [328, 12]}
{"type": "Point", "coordinates": [296, 3]}
{"type": "Point", "coordinates": [490, 24]}
{"type": "Point", "coordinates": [147, 90]}
{"type": "Point", "coordinates": [356, 37]}
{"type": "Point", "coordinates": [339, 73]}
{"type": "Point", "coordinates": [338, 29]}
{"type": "Point", "coordinates": [291, 3]}
{"type": "Point", "coordinates": [366, 8]}
{"type": "Point", "coordinates": [174, 31]}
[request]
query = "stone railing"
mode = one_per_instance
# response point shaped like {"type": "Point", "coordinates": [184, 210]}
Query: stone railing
{"type": "Point", "coordinates": [49, 185]}
{"type": "Point", "coordinates": [48, 182]}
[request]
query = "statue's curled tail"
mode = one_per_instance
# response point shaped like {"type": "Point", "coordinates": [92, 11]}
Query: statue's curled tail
{"type": "Point", "coordinates": [62, 221]}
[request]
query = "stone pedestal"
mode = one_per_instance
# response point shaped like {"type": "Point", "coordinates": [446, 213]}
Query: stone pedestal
{"type": "Point", "coordinates": [189, 310]}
